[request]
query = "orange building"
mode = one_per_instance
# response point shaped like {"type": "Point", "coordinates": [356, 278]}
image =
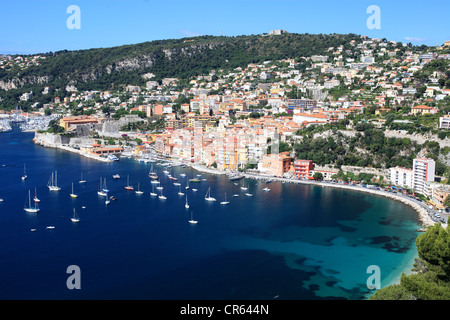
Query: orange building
{"type": "Point", "coordinates": [68, 122]}
{"type": "Point", "coordinates": [302, 168]}
{"type": "Point", "coordinates": [276, 164]}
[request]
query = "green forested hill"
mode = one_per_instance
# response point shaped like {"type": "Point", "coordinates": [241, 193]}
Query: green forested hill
{"type": "Point", "coordinates": [107, 68]}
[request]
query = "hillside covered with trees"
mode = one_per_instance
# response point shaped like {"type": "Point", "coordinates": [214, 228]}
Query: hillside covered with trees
{"type": "Point", "coordinates": [110, 68]}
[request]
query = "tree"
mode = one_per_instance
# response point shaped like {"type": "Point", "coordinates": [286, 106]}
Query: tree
{"type": "Point", "coordinates": [447, 201]}
{"type": "Point", "coordinates": [318, 176]}
{"type": "Point", "coordinates": [433, 246]}
{"type": "Point", "coordinates": [432, 278]}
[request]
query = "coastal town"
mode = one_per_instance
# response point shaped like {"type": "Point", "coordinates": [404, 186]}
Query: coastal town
{"type": "Point", "coordinates": [225, 151]}
{"type": "Point", "coordinates": [256, 120]}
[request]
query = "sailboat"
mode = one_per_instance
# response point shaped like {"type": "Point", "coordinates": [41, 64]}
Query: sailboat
{"type": "Point", "coordinates": [36, 199]}
{"type": "Point", "coordinates": [139, 191]}
{"type": "Point", "coordinates": [187, 184]}
{"type": "Point", "coordinates": [53, 182]}
{"type": "Point", "coordinates": [225, 201]}
{"type": "Point", "coordinates": [107, 201]}
{"type": "Point", "coordinates": [266, 189]}
{"type": "Point", "coordinates": [153, 194]}
{"type": "Point", "coordinates": [192, 219]}
{"type": "Point", "coordinates": [244, 187]}
{"type": "Point", "coordinates": [186, 205]}
{"type": "Point", "coordinates": [29, 208]}
{"type": "Point", "coordinates": [24, 177]}
{"type": "Point", "coordinates": [152, 174]}
{"type": "Point", "coordinates": [180, 193]}
{"type": "Point", "coordinates": [208, 195]}
{"type": "Point", "coordinates": [128, 187]}
{"type": "Point", "coordinates": [81, 179]}
{"type": "Point", "coordinates": [73, 195]}
{"type": "Point", "coordinates": [75, 217]}
{"type": "Point", "coordinates": [162, 197]}
{"type": "Point", "coordinates": [105, 189]}
{"type": "Point", "coordinates": [100, 192]}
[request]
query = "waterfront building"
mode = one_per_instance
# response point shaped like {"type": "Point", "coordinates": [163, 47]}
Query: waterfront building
{"type": "Point", "coordinates": [302, 168]}
{"type": "Point", "coordinates": [423, 172]}
{"type": "Point", "coordinates": [101, 150]}
{"type": "Point", "coordinates": [275, 164]}
{"type": "Point", "coordinates": [439, 194]}
{"type": "Point", "coordinates": [401, 177]}
{"type": "Point", "coordinates": [327, 175]}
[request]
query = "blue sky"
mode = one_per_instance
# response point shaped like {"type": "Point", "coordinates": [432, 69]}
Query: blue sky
{"type": "Point", "coordinates": [37, 26]}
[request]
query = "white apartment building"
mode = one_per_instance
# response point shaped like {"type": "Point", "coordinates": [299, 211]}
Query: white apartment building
{"type": "Point", "coordinates": [423, 172]}
{"type": "Point", "coordinates": [401, 177]}
{"type": "Point", "coordinates": [418, 178]}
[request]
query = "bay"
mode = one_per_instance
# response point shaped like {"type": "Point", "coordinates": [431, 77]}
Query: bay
{"type": "Point", "coordinates": [294, 242]}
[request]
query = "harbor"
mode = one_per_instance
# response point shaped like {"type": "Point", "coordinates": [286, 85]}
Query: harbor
{"type": "Point", "coordinates": [146, 238]}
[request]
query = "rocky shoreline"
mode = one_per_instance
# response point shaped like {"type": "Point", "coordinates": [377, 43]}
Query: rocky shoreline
{"type": "Point", "coordinates": [57, 142]}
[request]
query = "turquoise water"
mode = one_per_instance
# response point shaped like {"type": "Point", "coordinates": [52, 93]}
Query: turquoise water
{"type": "Point", "coordinates": [295, 242]}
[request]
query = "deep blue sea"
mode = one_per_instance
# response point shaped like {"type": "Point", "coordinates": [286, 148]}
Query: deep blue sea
{"type": "Point", "coordinates": [294, 242]}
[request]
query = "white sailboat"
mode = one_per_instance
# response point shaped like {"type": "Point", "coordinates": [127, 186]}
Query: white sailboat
{"type": "Point", "coordinates": [153, 194]}
{"type": "Point", "coordinates": [53, 182]}
{"type": "Point", "coordinates": [152, 174]}
{"type": "Point", "coordinates": [186, 205]}
{"type": "Point", "coordinates": [81, 179]}
{"type": "Point", "coordinates": [24, 177]}
{"type": "Point", "coordinates": [208, 195]}
{"type": "Point", "coordinates": [116, 176]}
{"type": "Point", "coordinates": [192, 219]}
{"type": "Point", "coordinates": [266, 189]}
{"type": "Point", "coordinates": [128, 187]}
{"type": "Point", "coordinates": [180, 193]}
{"type": "Point", "coordinates": [187, 184]}
{"type": "Point", "coordinates": [243, 186]}
{"type": "Point", "coordinates": [73, 195]}
{"type": "Point", "coordinates": [75, 217]}
{"type": "Point", "coordinates": [36, 199]}
{"type": "Point", "coordinates": [161, 196]}
{"type": "Point", "coordinates": [105, 189]}
{"type": "Point", "coordinates": [29, 208]}
{"type": "Point", "coordinates": [100, 191]}
{"type": "Point", "coordinates": [225, 201]}
{"type": "Point", "coordinates": [107, 201]}
{"type": "Point", "coordinates": [138, 191]}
